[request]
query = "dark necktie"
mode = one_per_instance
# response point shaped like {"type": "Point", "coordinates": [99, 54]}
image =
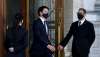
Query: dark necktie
{"type": "Point", "coordinates": [79, 23]}
{"type": "Point", "coordinates": [45, 24]}
{"type": "Point", "coordinates": [49, 38]}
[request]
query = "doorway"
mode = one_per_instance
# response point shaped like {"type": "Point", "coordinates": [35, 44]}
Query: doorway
{"type": "Point", "coordinates": [28, 9]}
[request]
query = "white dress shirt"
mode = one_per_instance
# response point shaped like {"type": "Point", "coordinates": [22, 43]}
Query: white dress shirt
{"type": "Point", "coordinates": [82, 21]}
{"type": "Point", "coordinates": [43, 20]}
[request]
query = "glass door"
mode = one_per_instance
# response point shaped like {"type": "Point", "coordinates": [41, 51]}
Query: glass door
{"type": "Point", "coordinates": [55, 20]}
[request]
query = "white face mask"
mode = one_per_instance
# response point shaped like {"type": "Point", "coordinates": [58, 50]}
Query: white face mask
{"type": "Point", "coordinates": [21, 23]}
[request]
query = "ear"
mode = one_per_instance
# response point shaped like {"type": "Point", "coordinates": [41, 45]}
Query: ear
{"type": "Point", "coordinates": [41, 13]}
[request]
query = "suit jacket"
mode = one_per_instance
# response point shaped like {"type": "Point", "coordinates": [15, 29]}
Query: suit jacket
{"type": "Point", "coordinates": [83, 37]}
{"type": "Point", "coordinates": [40, 38]}
{"type": "Point", "coordinates": [16, 38]}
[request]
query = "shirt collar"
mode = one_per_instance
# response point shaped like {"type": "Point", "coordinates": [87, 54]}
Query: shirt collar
{"type": "Point", "coordinates": [42, 19]}
{"type": "Point", "coordinates": [82, 21]}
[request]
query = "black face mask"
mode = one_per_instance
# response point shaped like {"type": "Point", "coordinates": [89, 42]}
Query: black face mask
{"type": "Point", "coordinates": [45, 15]}
{"type": "Point", "coordinates": [80, 16]}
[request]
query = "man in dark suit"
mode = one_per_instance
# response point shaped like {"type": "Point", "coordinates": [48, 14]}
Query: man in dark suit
{"type": "Point", "coordinates": [41, 46]}
{"type": "Point", "coordinates": [83, 36]}
{"type": "Point", "coordinates": [16, 40]}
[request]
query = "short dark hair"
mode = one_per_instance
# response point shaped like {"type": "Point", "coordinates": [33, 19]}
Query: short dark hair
{"type": "Point", "coordinates": [18, 17]}
{"type": "Point", "coordinates": [41, 9]}
{"type": "Point", "coordinates": [82, 10]}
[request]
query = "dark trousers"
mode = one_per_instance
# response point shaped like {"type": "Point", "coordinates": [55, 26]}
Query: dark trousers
{"type": "Point", "coordinates": [19, 54]}
{"type": "Point", "coordinates": [77, 53]}
{"type": "Point", "coordinates": [43, 55]}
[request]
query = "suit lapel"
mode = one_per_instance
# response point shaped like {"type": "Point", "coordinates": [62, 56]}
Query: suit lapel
{"type": "Point", "coordinates": [42, 25]}
{"type": "Point", "coordinates": [82, 24]}
{"type": "Point", "coordinates": [85, 22]}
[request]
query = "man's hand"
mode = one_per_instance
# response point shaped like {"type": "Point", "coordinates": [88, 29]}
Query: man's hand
{"type": "Point", "coordinates": [60, 47]}
{"type": "Point", "coordinates": [11, 49]}
{"type": "Point", "coordinates": [52, 48]}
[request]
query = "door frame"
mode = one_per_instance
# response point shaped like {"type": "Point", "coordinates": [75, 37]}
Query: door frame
{"type": "Point", "coordinates": [59, 25]}
{"type": "Point", "coordinates": [2, 26]}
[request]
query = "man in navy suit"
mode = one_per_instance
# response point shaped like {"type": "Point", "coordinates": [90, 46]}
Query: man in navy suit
{"type": "Point", "coordinates": [41, 46]}
{"type": "Point", "coordinates": [83, 36]}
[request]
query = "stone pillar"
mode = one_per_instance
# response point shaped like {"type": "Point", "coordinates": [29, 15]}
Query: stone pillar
{"type": "Point", "coordinates": [70, 9]}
